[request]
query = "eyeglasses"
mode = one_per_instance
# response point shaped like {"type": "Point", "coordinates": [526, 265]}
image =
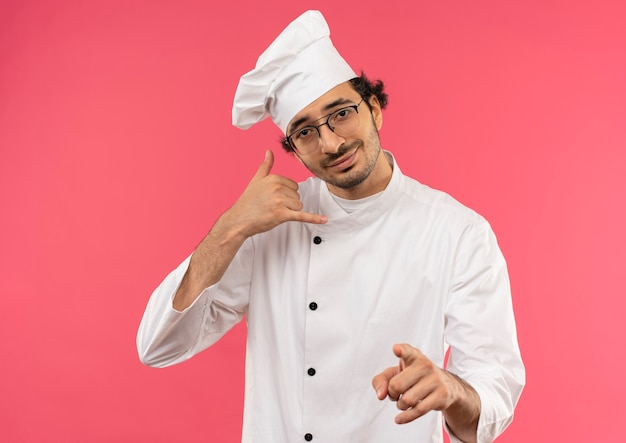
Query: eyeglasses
{"type": "Point", "coordinates": [343, 122]}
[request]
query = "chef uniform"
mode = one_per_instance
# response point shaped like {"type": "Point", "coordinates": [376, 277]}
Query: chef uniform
{"type": "Point", "coordinates": [325, 303]}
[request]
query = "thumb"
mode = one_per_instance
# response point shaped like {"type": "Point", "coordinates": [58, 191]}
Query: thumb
{"type": "Point", "coordinates": [265, 167]}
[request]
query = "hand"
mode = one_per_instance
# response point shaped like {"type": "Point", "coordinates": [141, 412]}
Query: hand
{"type": "Point", "coordinates": [417, 385]}
{"type": "Point", "coordinates": [268, 201]}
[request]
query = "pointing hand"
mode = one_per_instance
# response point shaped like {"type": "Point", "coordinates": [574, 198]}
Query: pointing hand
{"type": "Point", "coordinates": [417, 385]}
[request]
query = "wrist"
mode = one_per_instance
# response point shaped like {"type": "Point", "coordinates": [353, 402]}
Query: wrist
{"type": "Point", "coordinates": [232, 227]}
{"type": "Point", "coordinates": [464, 411]}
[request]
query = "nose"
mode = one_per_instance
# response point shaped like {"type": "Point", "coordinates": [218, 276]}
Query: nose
{"type": "Point", "coordinates": [329, 140]}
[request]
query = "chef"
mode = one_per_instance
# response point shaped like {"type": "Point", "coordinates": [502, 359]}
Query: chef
{"type": "Point", "coordinates": [359, 285]}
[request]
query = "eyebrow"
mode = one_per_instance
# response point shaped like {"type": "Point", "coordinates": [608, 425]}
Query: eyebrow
{"type": "Point", "coordinates": [328, 107]}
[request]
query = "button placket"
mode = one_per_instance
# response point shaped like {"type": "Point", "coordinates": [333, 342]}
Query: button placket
{"type": "Point", "coordinates": [312, 306]}
{"type": "Point", "coordinates": [315, 330]}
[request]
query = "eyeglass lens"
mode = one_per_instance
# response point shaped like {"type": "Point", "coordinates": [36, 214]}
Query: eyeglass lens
{"type": "Point", "coordinates": [342, 122]}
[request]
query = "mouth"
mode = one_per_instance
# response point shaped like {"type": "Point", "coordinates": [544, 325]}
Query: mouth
{"type": "Point", "coordinates": [344, 162]}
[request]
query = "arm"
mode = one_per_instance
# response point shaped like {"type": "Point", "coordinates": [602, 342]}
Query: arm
{"type": "Point", "coordinates": [481, 329]}
{"type": "Point", "coordinates": [268, 201]}
{"type": "Point", "coordinates": [196, 304]}
{"type": "Point", "coordinates": [484, 377]}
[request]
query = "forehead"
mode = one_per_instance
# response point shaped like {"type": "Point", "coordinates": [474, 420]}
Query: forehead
{"type": "Point", "coordinates": [324, 104]}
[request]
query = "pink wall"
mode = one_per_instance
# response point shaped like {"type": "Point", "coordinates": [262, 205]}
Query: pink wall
{"type": "Point", "coordinates": [117, 153]}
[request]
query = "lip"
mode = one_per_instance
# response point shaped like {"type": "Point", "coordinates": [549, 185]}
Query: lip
{"type": "Point", "coordinates": [345, 162]}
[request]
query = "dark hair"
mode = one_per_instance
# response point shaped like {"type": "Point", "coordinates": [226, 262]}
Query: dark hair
{"type": "Point", "coordinates": [366, 89]}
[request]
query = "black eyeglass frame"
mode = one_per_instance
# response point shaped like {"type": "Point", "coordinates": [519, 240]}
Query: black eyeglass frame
{"type": "Point", "coordinates": [317, 127]}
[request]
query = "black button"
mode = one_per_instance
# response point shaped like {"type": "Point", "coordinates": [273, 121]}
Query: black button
{"type": "Point", "coordinates": [308, 437]}
{"type": "Point", "coordinates": [311, 372]}
{"type": "Point", "coordinates": [312, 306]}
{"type": "Point", "coordinates": [317, 240]}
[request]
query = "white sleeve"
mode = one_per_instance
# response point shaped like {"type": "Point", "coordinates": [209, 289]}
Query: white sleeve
{"type": "Point", "coordinates": [481, 332]}
{"type": "Point", "coordinates": [167, 336]}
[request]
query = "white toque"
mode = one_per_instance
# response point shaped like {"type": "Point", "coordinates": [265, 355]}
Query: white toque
{"type": "Point", "coordinates": [297, 68]}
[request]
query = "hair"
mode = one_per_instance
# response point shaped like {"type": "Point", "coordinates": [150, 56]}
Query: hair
{"type": "Point", "coordinates": [366, 89]}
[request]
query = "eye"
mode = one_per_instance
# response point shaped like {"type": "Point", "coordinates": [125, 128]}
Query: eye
{"type": "Point", "coordinates": [342, 114]}
{"type": "Point", "coordinates": [304, 133]}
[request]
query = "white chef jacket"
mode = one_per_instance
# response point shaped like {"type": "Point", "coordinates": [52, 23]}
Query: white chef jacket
{"type": "Point", "coordinates": [325, 303]}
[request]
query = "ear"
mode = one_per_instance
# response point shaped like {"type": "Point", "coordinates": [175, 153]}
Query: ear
{"type": "Point", "coordinates": [377, 112]}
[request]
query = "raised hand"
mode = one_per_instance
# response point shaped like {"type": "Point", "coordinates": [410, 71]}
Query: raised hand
{"type": "Point", "coordinates": [268, 201]}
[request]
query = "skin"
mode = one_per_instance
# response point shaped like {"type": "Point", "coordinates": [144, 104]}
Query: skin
{"type": "Point", "coordinates": [352, 168]}
{"type": "Point", "coordinates": [368, 172]}
{"type": "Point", "coordinates": [419, 386]}
{"type": "Point", "coordinates": [267, 201]}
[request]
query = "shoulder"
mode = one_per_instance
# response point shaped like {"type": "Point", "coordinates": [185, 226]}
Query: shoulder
{"type": "Point", "coordinates": [435, 203]}
{"type": "Point", "coordinates": [448, 221]}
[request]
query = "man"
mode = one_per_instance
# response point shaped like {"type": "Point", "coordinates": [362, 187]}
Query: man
{"type": "Point", "coordinates": [336, 273]}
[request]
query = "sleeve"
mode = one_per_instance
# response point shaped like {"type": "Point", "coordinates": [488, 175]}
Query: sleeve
{"type": "Point", "coordinates": [481, 332]}
{"type": "Point", "coordinates": [167, 336]}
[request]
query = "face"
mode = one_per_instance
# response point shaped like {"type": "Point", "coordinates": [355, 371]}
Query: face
{"type": "Point", "coordinates": [351, 166]}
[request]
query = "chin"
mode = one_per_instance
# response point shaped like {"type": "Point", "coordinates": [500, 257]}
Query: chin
{"type": "Point", "coordinates": [350, 180]}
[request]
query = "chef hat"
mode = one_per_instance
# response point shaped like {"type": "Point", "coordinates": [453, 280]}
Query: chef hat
{"type": "Point", "coordinates": [297, 68]}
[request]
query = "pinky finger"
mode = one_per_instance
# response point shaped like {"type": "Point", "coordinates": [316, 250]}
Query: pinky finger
{"type": "Point", "coordinates": [307, 217]}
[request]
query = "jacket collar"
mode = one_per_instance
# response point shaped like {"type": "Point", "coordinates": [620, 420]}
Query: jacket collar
{"type": "Point", "coordinates": [338, 220]}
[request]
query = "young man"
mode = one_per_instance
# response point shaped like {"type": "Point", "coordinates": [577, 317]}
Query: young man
{"type": "Point", "coordinates": [336, 273]}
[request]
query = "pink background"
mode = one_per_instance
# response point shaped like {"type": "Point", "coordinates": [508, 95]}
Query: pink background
{"type": "Point", "coordinates": [117, 153]}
